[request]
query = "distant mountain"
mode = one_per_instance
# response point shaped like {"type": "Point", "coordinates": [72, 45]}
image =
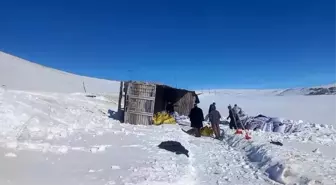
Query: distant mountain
{"type": "Point", "coordinates": [319, 90]}
{"type": "Point", "coordinates": [20, 74]}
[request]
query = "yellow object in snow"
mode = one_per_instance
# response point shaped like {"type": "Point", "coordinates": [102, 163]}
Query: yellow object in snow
{"type": "Point", "coordinates": [206, 131]}
{"type": "Point", "coordinates": [163, 118]}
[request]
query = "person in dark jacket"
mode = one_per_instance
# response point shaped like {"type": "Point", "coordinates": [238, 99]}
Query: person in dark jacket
{"type": "Point", "coordinates": [196, 119]}
{"type": "Point", "coordinates": [170, 108]}
{"type": "Point", "coordinates": [214, 118]}
{"type": "Point", "coordinates": [234, 119]}
{"type": "Point", "coordinates": [212, 107]}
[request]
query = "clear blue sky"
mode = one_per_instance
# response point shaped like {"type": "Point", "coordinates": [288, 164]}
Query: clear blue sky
{"type": "Point", "coordinates": [191, 44]}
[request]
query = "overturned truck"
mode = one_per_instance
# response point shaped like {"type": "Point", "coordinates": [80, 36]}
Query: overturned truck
{"type": "Point", "coordinates": [142, 100]}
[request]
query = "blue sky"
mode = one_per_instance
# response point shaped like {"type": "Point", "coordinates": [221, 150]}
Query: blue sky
{"type": "Point", "coordinates": [189, 44]}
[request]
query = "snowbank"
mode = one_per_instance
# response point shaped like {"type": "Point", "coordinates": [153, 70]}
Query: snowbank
{"type": "Point", "coordinates": [32, 120]}
{"type": "Point", "coordinates": [284, 164]}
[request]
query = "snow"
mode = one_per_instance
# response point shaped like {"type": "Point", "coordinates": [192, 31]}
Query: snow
{"type": "Point", "coordinates": [53, 133]}
{"type": "Point", "coordinates": [19, 74]}
{"type": "Point", "coordinates": [72, 140]}
{"type": "Point", "coordinates": [315, 109]}
{"type": "Point", "coordinates": [10, 155]}
{"type": "Point", "coordinates": [284, 164]}
{"type": "Point", "coordinates": [307, 156]}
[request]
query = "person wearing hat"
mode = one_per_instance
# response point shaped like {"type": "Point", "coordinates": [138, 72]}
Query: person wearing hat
{"type": "Point", "coordinates": [196, 118]}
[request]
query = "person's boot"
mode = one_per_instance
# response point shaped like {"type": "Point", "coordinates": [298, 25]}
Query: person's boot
{"type": "Point", "coordinates": [216, 133]}
{"type": "Point", "coordinates": [198, 133]}
{"type": "Point", "coordinates": [217, 137]}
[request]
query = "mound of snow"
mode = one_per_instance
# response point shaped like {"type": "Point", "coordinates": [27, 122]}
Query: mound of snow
{"type": "Point", "coordinates": [19, 74]}
{"type": "Point", "coordinates": [284, 164]}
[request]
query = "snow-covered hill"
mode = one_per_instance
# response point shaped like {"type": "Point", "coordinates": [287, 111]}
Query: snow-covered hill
{"type": "Point", "coordinates": [321, 90]}
{"type": "Point", "coordinates": [19, 74]}
{"type": "Point", "coordinates": [318, 90]}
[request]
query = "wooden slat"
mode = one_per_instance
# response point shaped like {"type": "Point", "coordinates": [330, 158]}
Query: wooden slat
{"type": "Point", "coordinates": [140, 113]}
{"type": "Point", "coordinates": [140, 100]}
{"type": "Point", "coordinates": [141, 97]}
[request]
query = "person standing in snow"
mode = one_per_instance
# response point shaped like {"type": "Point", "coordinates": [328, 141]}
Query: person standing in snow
{"type": "Point", "coordinates": [236, 108]}
{"type": "Point", "coordinates": [211, 107]}
{"type": "Point", "coordinates": [233, 118]}
{"type": "Point", "coordinates": [214, 117]}
{"type": "Point", "coordinates": [196, 119]}
{"type": "Point", "coordinates": [241, 114]}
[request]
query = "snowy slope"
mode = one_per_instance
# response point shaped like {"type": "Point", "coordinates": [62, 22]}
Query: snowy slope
{"type": "Point", "coordinates": [19, 74]}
